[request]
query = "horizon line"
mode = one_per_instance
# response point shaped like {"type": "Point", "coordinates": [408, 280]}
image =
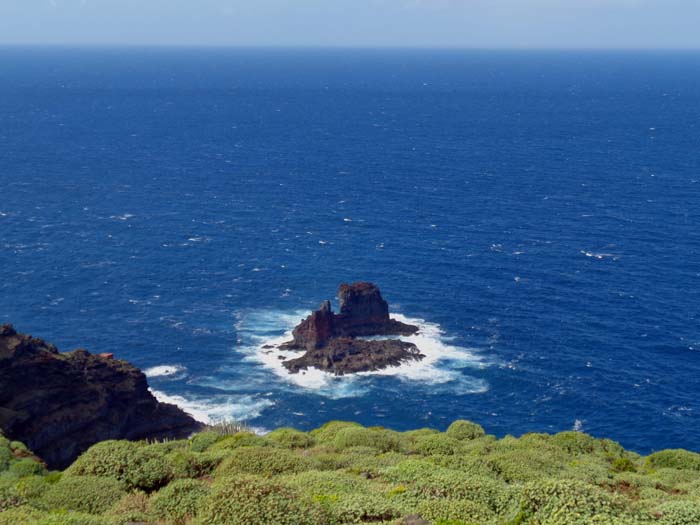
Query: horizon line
{"type": "Point", "coordinates": [317, 47]}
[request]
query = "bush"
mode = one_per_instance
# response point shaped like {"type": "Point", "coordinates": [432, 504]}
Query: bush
{"type": "Point", "coordinates": [9, 496]}
{"type": "Point", "coordinates": [88, 494]}
{"type": "Point", "coordinates": [250, 500]}
{"type": "Point", "coordinates": [27, 467]}
{"type": "Point", "coordinates": [442, 483]}
{"type": "Point", "coordinates": [136, 465]}
{"type": "Point", "coordinates": [437, 445]}
{"type": "Point", "coordinates": [679, 513]}
{"type": "Point", "coordinates": [263, 461]}
{"type": "Point", "coordinates": [179, 501]}
{"type": "Point", "coordinates": [465, 430]}
{"type": "Point", "coordinates": [360, 508]}
{"type": "Point", "coordinates": [623, 465]}
{"type": "Point", "coordinates": [20, 516]}
{"type": "Point", "coordinates": [578, 443]}
{"type": "Point", "coordinates": [32, 488]}
{"type": "Point", "coordinates": [455, 510]}
{"type": "Point", "coordinates": [677, 459]}
{"type": "Point", "coordinates": [242, 439]}
{"type": "Point", "coordinates": [203, 440]}
{"type": "Point", "coordinates": [327, 433]}
{"type": "Point", "coordinates": [131, 508]}
{"type": "Point", "coordinates": [379, 439]}
{"type": "Point", "coordinates": [187, 464]}
{"type": "Point", "coordinates": [291, 438]}
{"type": "Point", "coordinates": [6, 455]}
{"type": "Point", "coordinates": [317, 483]}
{"type": "Point", "coordinates": [560, 502]}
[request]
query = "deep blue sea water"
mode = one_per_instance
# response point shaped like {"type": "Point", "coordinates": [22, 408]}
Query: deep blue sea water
{"type": "Point", "coordinates": [180, 207]}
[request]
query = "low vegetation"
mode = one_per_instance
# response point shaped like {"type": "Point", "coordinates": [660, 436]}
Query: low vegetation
{"type": "Point", "coordinates": [344, 473]}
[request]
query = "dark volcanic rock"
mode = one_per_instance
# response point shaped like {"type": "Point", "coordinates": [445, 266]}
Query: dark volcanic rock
{"type": "Point", "coordinates": [316, 330]}
{"type": "Point", "coordinates": [344, 355]}
{"type": "Point", "coordinates": [330, 339]}
{"type": "Point", "coordinates": [363, 312]}
{"type": "Point", "coordinates": [59, 404]}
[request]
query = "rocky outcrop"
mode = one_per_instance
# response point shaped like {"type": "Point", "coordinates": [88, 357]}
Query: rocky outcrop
{"type": "Point", "coordinates": [59, 404]}
{"type": "Point", "coordinates": [363, 312]}
{"type": "Point", "coordinates": [331, 340]}
{"type": "Point", "coordinates": [345, 355]}
{"type": "Point", "coordinates": [316, 330]}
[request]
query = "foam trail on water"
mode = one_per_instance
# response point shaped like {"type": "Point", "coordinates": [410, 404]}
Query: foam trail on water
{"type": "Point", "coordinates": [165, 371]}
{"type": "Point", "coordinates": [442, 368]}
{"type": "Point", "coordinates": [219, 408]}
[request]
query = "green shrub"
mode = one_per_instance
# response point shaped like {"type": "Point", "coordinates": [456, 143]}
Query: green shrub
{"type": "Point", "coordinates": [679, 513]}
{"type": "Point", "coordinates": [203, 440]}
{"type": "Point", "coordinates": [19, 448]}
{"type": "Point", "coordinates": [32, 488]}
{"type": "Point", "coordinates": [26, 467]}
{"type": "Point", "coordinates": [186, 464]}
{"type": "Point", "coordinates": [677, 459]}
{"type": "Point", "coordinates": [179, 501]}
{"type": "Point", "coordinates": [623, 465]}
{"type": "Point", "coordinates": [20, 516]}
{"type": "Point", "coordinates": [563, 502]}
{"type": "Point", "coordinates": [9, 496]}
{"type": "Point", "coordinates": [437, 445]}
{"type": "Point", "coordinates": [131, 508]}
{"type": "Point", "coordinates": [441, 483]}
{"type": "Point", "coordinates": [465, 430]}
{"type": "Point", "coordinates": [327, 433]}
{"type": "Point", "coordinates": [139, 466]}
{"type": "Point", "coordinates": [578, 443]}
{"type": "Point", "coordinates": [66, 518]}
{"type": "Point", "coordinates": [6, 455]}
{"type": "Point", "coordinates": [242, 439]}
{"type": "Point", "coordinates": [88, 494]}
{"type": "Point", "coordinates": [379, 439]}
{"type": "Point", "coordinates": [263, 461]}
{"type": "Point", "coordinates": [455, 510]}
{"type": "Point", "coordinates": [324, 483]}
{"type": "Point", "coordinates": [291, 438]}
{"type": "Point", "coordinates": [360, 508]}
{"type": "Point", "coordinates": [250, 500]}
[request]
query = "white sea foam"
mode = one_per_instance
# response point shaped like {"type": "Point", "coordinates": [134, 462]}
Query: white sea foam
{"type": "Point", "coordinates": [219, 408]}
{"type": "Point", "coordinates": [165, 371]}
{"type": "Point", "coordinates": [442, 368]}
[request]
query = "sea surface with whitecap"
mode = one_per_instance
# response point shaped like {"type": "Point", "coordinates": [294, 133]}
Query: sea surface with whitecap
{"type": "Point", "coordinates": [536, 214]}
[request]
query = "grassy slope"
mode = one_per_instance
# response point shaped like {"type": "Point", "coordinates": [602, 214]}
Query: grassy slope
{"type": "Point", "coordinates": [343, 473]}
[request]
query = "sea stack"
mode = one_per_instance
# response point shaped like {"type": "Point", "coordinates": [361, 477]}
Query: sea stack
{"type": "Point", "coordinates": [59, 404]}
{"type": "Point", "coordinates": [332, 341]}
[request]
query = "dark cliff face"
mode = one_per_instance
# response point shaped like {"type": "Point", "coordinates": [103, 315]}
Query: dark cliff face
{"type": "Point", "coordinates": [330, 339]}
{"type": "Point", "coordinates": [316, 330]}
{"type": "Point", "coordinates": [59, 404]}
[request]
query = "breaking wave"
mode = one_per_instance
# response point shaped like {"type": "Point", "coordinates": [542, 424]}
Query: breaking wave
{"type": "Point", "coordinates": [443, 369]}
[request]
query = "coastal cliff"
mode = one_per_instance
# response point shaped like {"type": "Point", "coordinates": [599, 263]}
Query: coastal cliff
{"type": "Point", "coordinates": [333, 341]}
{"type": "Point", "coordinates": [60, 404]}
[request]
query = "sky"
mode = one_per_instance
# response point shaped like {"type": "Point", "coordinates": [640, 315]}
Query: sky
{"type": "Point", "coordinates": [646, 24]}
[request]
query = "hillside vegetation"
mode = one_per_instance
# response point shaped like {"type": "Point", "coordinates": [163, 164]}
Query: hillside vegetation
{"type": "Point", "coordinates": [343, 473]}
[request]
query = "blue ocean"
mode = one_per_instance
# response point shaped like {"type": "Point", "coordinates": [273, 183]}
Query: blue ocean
{"type": "Point", "coordinates": [536, 213]}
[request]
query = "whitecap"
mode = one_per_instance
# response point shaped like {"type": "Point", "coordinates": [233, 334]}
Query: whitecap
{"type": "Point", "coordinates": [218, 408]}
{"type": "Point", "coordinates": [600, 256]}
{"type": "Point", "coordinates": [165, 371]}
{"type": "Point", "coordinates": [123, 217]}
